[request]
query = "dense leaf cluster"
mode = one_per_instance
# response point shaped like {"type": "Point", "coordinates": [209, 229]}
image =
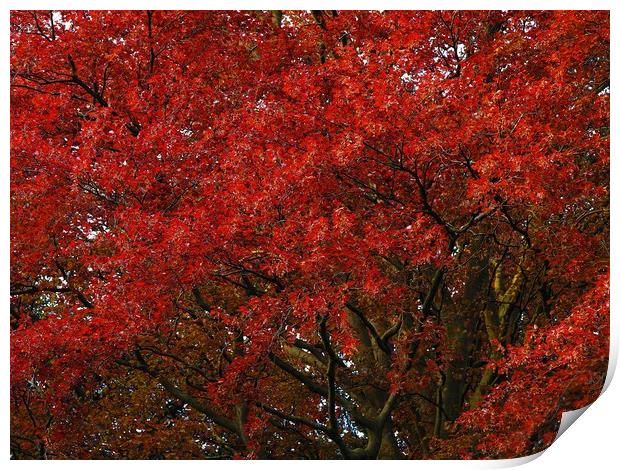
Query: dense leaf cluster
{"type": "Point", "coordinates": [306, 234]}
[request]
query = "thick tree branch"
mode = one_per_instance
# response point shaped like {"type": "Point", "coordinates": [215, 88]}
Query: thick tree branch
{"type": "Point", "coordinates": [176, 392]}
{"type": "Point", "coordinates": [371, 328]}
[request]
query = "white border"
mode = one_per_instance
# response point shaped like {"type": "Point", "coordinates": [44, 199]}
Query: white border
{"type": "Point", "coordinates": [592, 442]}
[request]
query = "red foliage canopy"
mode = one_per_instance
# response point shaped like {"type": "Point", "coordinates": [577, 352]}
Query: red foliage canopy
{"type": "Point", "coordinates": [312, 234]}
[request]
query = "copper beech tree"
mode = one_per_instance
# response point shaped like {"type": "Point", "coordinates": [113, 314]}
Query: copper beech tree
{"type": "Point", "coordinates": [312, 234]}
